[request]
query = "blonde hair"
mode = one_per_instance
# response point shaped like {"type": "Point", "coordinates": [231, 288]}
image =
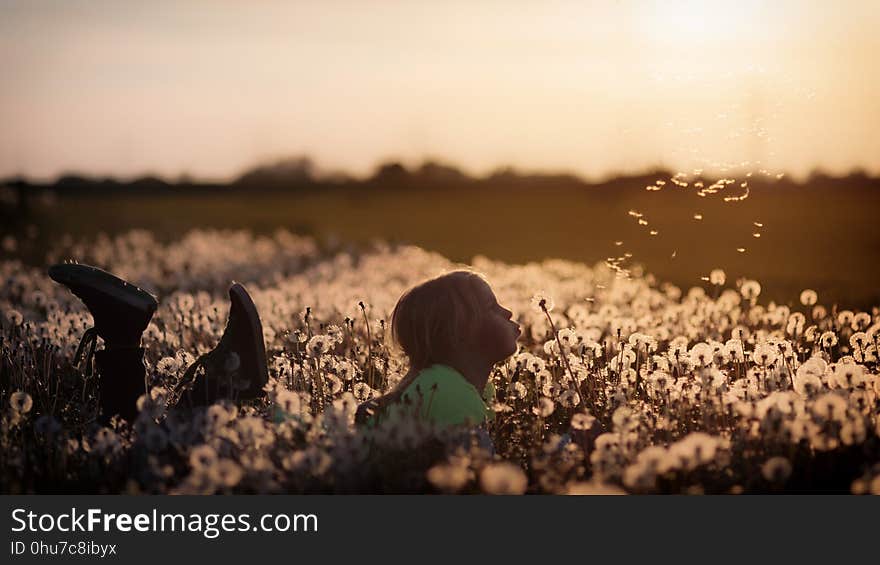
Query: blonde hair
{"type": "Point", "coordinates": [428, 324]}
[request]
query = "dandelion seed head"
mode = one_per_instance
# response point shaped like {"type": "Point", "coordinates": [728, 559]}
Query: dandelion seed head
{"type": "Point", "coordinates": [21, 402]}
{"type": "Point", "coordinates": [503, 478]}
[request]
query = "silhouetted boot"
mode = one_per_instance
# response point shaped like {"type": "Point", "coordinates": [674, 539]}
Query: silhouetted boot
{"type": "Point", "coordinates": [236, 367]}
{"type": "Point", "coordinates": [122, 376]}
{"type": "Point", "coordinates": [121, 312]}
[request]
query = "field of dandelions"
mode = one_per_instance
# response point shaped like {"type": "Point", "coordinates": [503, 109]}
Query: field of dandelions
{"type": "Point", "coordinates": [620, 384]}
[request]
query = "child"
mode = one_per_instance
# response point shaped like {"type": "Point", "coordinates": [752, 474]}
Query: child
{"type": "Point", "coordinates": [453, 331]}
{"type": "Point", "coordinates": [451, 328]}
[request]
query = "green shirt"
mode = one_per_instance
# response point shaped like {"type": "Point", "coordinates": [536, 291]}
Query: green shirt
{"type": "Point", "coordinates": [447, 399]}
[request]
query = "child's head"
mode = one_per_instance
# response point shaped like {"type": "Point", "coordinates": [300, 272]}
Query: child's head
{"type": "Point", "coordinates": [441, 318]}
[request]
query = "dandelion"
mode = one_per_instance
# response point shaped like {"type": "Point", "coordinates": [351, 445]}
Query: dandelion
{"type": "Point", "coordinates": [860, 321]}
{"type": "Point", "coordinates": [517, 390]}
{"type": "Point", "coordinates": [503, 478]}
{"type": "Point", "coordinates": [717, 277]}
{"type": "Point", "coordinates": [544, 408]}
{"type": "Point", "coordinates": [845, 318]}
{"type": "Point", "coordinates": [203, 457]}
{"type": "Point", "coordinates": [776, 470]}
{"type": "Point", "coordinates": [362, 392]}
{"type": "Point", "coordinates": [582, 421]}
{"type": "Point", "coordinates": [289, 402]}
{"type": "Point", "coordinates": [848, 375]}
{"type": "Point", "coordinates": [14, 317]}
{"type": "Point", "coordinates": [226, 472]}
{"type": "Point", "coordinates": [830, 406]}
{"type": "Point", "coordinates": [346, 370]}
{"type": "Point", "coordinates": [318, 345]}
{"type": "Point", "coordinates": [828, 340]}
{"type": "Point", "coordinates": [701, 354]}
{"type": "Point", "coordinates": [542, 303]}
{"type": "Point", "coordinates": [807, 384]}
{"type": "Point", "coordinates": [750, 289]}
{"type": "Point", "coordinates": [569, 398]}
{"type": "Point", "coordinates": [21, 402]}
{"type": "Point", "coordinates": [106, 441]}
{"type": "Point", "coordinates": [765, 355]}
{"type": "Point", "coordinates": [168, 365]}
{"type": "Point", "coordinates": [624, 419]}
{"type": "Point", "coordinates": [217, 416]}
{"type": "Point", "coordinates": [697, 447]}
{"type": "Point", "coordinates": [448, 478]}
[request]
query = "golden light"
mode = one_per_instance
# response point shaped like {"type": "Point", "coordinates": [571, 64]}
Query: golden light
{"type": "Point", "coordinates": [705, 23]}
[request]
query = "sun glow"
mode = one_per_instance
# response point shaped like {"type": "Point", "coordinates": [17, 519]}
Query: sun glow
{"type": "Point", "coordinates": [705, 23]}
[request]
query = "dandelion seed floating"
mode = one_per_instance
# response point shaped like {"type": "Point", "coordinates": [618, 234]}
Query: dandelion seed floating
{"type": "Point", "coordinates": [739, 198]}
{"type": "Point", "coordinates": [643, 222]}
{"type": "Point", "coordinates": [674, 253]}
{"type": "Point", "coordinates": [618, 243]}
{"type": "Point", "coordinates": [653, 232]}
{"type": "Point", "coordinates": [756, 234]}
{"type": "Point", "coordinates": [741, 249]}
{"type": "Point", "coordinates": [698, 216]}
{"type": "Point", "coordinates": [758, 224]}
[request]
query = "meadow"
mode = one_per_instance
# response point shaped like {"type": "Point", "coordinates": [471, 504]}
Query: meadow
{"type": "Point", "coordinates": [623, 382]}
{"type": "Point", "coordinates": [823, 232]}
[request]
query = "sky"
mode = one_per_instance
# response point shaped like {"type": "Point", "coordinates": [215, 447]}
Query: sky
{"type": "Point", "coordinates": [211, 88]}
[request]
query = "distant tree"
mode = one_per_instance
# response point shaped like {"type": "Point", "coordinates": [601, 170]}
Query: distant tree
{"type": "Point", "coordinates": [434, 173]}
{"type": "Point", "coordinates": [390, 174]}
{"type": "Point", "coordinates": [286, 173]}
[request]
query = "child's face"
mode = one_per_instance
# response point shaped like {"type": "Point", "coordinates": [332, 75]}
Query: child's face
{"type": "Point", "coordinates": [496, 332]}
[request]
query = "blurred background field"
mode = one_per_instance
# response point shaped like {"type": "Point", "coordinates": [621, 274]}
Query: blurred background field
{"type": "Point", "coordinates": [822, 233]}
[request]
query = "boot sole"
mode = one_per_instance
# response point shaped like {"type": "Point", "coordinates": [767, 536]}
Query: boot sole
{"type": "Point", "coordinates": [237, 292]}
{"type": "Point", "coordinates": [73, 275]}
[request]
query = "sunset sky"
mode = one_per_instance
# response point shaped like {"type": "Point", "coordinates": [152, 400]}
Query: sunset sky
{"type": "Point", "coordinates": [210, 88]}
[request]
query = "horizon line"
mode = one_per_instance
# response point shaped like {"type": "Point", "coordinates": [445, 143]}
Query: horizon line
{"type": "Point", "coordinates": [317, 173]}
